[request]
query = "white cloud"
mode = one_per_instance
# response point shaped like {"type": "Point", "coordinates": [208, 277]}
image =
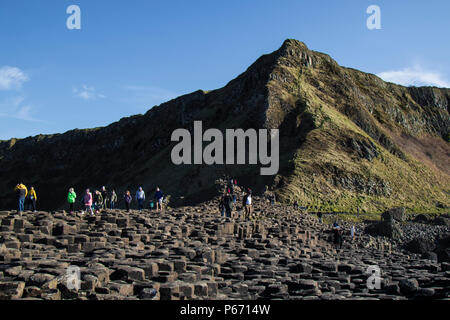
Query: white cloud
{"type": "Point", "coordinates": [14, 107]}
{"type": "Point", "coordinates": [12, 78]}
{"type": "Point", "coordinates": [25, 113]}
{"type": "Point", "coordinates": [87, 93]}
{"type": "Point", "coordinates": [415, 76]}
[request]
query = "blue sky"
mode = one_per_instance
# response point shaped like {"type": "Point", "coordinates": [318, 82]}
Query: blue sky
{"type": "Point", "coordinates": [132, 55]}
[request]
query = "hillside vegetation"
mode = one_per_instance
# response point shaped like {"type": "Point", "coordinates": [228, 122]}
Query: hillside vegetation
{"type": "Point", "coordinates": [348, 140]}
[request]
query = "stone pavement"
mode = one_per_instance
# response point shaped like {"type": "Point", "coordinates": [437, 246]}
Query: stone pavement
{"type": "Point", "coordinates": [193, 253]}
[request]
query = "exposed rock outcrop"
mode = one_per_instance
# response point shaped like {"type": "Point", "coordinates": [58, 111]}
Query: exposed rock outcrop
{"type": "Point", "coordinates": [342, 132]}
{"type": "Point", "coordinates": [193, 253]}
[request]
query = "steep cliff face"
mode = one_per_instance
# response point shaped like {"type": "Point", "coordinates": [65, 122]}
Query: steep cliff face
{"type": "Point", "coordinates": [347, 140]}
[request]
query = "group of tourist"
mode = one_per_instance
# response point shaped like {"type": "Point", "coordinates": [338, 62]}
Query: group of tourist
{"type": "Point", "coordinates": [338, 234]}
{"type": "Point", "coordinates": [228, 201]}
{"type": "Point", "coordinates": [93, 202]}
{"type": "Point", "coordinates": [90, 202]}
{"type": "Point", "coordinates": [26, 198]}
{"type": "Point", "coordinates": [140, 198]}
{"type": "Point", "coordinates": [100, 200]}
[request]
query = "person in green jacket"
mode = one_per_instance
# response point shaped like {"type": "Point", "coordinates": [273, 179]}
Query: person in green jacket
{"type": "Point", "coordinates": [71, 197]}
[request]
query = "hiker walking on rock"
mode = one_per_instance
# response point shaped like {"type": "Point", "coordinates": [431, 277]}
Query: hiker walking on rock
{"type": "Point", "coordinates": [71, 198]}
{"type": "Point", "coordinates": [159, 197]}
{"type": "Point", "coordinates": [105, 198]}
{"type": "Point", "coordinates": [227, 202]}
{"type": "Point", "coordinates": [337, 231]}
{"type": "Point", "coordinates": [128, 198]}
{"type": "Point", "coordinates": [22, 192]}
{"type": "Point", "coordinates": [113, 199]}
{"type": "Point", "coordinates": [140, 197]}
{"type": "Point", "coordinates": [353, 232]}
{"type": "Point", "coordinates": [247, 204]}
{"type": "Point", "coordinates": [88, 200]}
{"type": "Point", "coordinates": [31, 199]}
{"type": "Point", "coordinates": [98, 201]}
{"type": "Point", "coordinates": [295, 205]}
{"type": "Point", "coordinates": [222, 207]}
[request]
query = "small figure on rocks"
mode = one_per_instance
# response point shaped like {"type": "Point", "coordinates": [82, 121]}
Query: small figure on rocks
{"type": "Point", "coordinates": [337, 231]}
{"type": "Point", "coordinates": [105, 198]}
{"type": "Point", "coordinates": [128, 198]}
{"type": "Point", "coordinates": [140, 197]}
{"type": "Point", "coordinates": [222, 207]}
{"type": "Point", "coordinates": [71, 198]}
{"type": "Point", "coordinates": [319, 215]}
{"type": "Point", "coordinates": [159, 197]}
{"type": "Point", "coordinates": [353, 232]}
{"type": "Point", "coordinates": [272, 199]}
{"type": "Point", "coordinates": [88, 200]}
{"type": "Point", "coordinates": [22, 192]}
{"type": "Point", "coordinates": [295, 205]}
{"type": "Point", "coordinates": [247, 204]}
{"type": "Point", "coordinates": [31, 199]}
{"type": "Point", "coordinates": [227, 203]}
{"type": "Point", "coordinates": [113, 199]}
{"type": "Point", "coordinates": [98, 201]}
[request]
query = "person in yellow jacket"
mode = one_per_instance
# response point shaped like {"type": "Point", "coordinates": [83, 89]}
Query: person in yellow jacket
{"type": "Point", "coordinates": [22, 193]}
{"type": "Point", "coordinates": [32, 198]}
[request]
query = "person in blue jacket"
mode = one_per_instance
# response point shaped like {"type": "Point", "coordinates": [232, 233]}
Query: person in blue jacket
{"type": "Point", "coordinates": [159, 197]}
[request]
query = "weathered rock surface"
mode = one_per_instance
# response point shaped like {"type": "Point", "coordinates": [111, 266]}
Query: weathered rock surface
{"type": "Point", "coordinates": [388, 228]}
{"type": "Point", "coordinates": [193, 253]}
{"type": "Point", "coordinates": [397, 214]}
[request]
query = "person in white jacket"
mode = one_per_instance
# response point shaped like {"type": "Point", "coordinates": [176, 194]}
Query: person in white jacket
{"type": "Point", "coordinates": [353, 232]}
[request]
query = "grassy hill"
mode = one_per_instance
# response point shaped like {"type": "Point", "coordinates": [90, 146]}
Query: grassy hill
{"type": "Point", "coordinates": [347, 140]}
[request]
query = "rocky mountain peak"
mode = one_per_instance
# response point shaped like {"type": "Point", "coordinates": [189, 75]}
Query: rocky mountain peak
{"type": "Point", "coordinates": [348, 140]}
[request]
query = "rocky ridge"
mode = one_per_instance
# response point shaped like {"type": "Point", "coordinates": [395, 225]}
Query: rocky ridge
{"type": "Point", "coordinates": [347, 140]}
